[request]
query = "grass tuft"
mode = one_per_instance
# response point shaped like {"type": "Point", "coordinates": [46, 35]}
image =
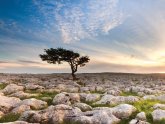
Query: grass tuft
{"type": "Point", "coordinates": [127, 120]}
{"type": "Point", "coordinates": [9, 117]}
{"type": "Point", "coordinates": [147, 107]}
{"type": "Point", "coordinates": [2, 86]}
{"type": "Point", "coordinates": [45, 94]}
{"type": "Point", "coordinates": [129, 94]}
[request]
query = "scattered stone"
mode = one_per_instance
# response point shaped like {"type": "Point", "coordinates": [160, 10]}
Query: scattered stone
{"type": "Point", "coordinates": [159, 106]}
{"type": "Point", "coordinates": [53, 114]}
{"type": "Point", "coordinates": [114, 100]}
{"type": "Point", "coordinates": [84, 90]}
{"type": "Point", "coordinates": [1, 114]}
{"type": "Point", "coordinates": [103, 117]}
{"type": "Point", "coordinates": [149, 97]}
{"type": "Point", "coordinates": [161, 98]}
{"type": "Point", "coordinates": [135, 121]}
{"type": "Point", "coordinates": [100, 89]}
{"type": "Point", "coordinates": [33, 87]}
{"type": "Point", "coordinates": [114, 92]}
{"type": "Point", "coordinates": [96, 89]}
{"type": "Point", "coordinates": [33, 103]}
{"type": "Point", "coordinates": [82, 120]}
{"type": "Point", "coordinates": [84, 107]}
{"type": "Point", "coordinates": [92, 97]}
{"type": "Point", "coordinates": [12, 88]}
{"type": "Point", "coordinates": [7, 103]}
{"type": "Point", "coordinates": [141, 116]}
{"type": "Point", "coordinates": [123, 110]}
{"type": "Point", "coordinates": [20, 109]}
{"type": "Point", "coordinates": [158, 115]}
{"type": "Point", "coordinates": [22, 95]}
{"type": "Point", "coordinates": [62, 98]}
{"type": "Point", "coordinates": [66, 98]}
{"type": "Point", "coordinates": [18, 122]}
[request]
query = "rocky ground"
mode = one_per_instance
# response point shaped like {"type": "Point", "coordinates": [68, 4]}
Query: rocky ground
{"type": "Point", "coordinates": [103, 98]}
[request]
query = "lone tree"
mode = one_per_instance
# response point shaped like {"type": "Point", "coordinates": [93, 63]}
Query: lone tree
{"type": "Point", "coordinates": [59, 55]}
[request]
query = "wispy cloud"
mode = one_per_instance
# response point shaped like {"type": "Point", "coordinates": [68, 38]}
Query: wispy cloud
{"type": "Point", "coordinates": [27, 61]}
{"type": "Point", "coordinates": [1, 62]}
{"type": "Point", "coordinates": [81, 20]}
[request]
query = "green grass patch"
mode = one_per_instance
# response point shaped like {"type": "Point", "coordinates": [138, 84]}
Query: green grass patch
{"type": "Point", "coordinates": [100, 105]}
{"type": "Point", "coordinates": [161, 122]}
{"type": "Point", "coordinates": [147, 107]}
{"type": "Point", "coordinates": [45, 94]}
{"type": "Point", "coordinates": [97, 92]}
{"type": "Point", "coordinates": [32, 91]}
{"type": "Point", "coordinates": [9, 118]}
{"type": "Point", "coordinates": [129, 94]}
{"type": "Point", "coordinates": [2, 86]}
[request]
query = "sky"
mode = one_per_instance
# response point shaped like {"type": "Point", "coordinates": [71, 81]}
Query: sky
{"type": "Point", "coordinates": [118, 35]}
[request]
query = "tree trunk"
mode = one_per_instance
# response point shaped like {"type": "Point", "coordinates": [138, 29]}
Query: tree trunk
{"type": "Point", "coordinates": [74, 76]}
{"type": "Point", "coordinates": [74, 69]}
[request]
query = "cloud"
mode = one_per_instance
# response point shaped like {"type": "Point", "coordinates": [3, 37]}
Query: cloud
{"type": "Point", "coordinates": [1, 62]}
{"type": "Point", "coordinates": [81, 20]}
{"type": "Point", "coordinates": [27, 61]}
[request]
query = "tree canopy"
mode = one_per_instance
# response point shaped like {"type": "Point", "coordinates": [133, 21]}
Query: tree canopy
{"type": "Point", "coordinates": [60, 55]}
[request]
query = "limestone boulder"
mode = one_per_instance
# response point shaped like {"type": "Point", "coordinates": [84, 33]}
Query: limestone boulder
{"type": "Point", "coordinates": [114, 100]}
{"type": "Point", "coordinates": [123, 111]}
{"type": "Point", "coordinates": [7, 103]}
{"type": "Point", "coordinates": [20, 109]}
{"type": "Point", "coordinates": [135, 121]}
{"type": "Point", "coordinates": [12, 88]}
{"type": "Point", "coordinates": [22, 95]}
{"type": "Point", "coordinates": [158, 115]}
{"type": "Point", "coordinates": [84, 107]}
{"type": "Point", "coordinates": [141, 116]}
{"type": "Point", "coordinates": [53, 114]}
{"type": "Point", "coordinates": [33, 87]}
{"type": "Point", "coordinates": [159, 106]}
{"type": "Point", "coordinates": [33, 103]}
{"type": "Point", "coordinates": [66, 98]}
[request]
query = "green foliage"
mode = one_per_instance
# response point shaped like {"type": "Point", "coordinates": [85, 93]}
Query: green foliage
{"type": "Point", "coordinates": [2, 86]}
{"type": "Point", "coordinates": [9, 117]}
{"type": "Point", "coordinates": [129, 94]}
